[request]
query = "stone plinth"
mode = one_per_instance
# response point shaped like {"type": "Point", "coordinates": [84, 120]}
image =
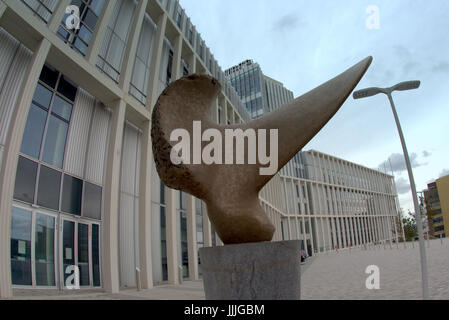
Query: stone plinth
{"type": "Point", "coordinates": [252, 271]}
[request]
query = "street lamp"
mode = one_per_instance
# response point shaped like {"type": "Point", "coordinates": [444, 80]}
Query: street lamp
{"type": "Point", "coordinates": [407, 85]}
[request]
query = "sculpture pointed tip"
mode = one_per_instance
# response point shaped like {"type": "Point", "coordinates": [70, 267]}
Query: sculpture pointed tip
{"type": "Point", "coordinates": [367, 61]}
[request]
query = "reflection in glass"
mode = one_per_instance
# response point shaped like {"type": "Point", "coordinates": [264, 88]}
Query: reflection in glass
{"type": "Point", "coordinates": [34, 130]}
{"type": "Point", "coordinates": [42, 96]}
{"type": "Point", "coordinates": [62, 108]}
{"type": "Point", "coordinates": [83, 253]}
{"type": "Point", "coordinates": [68, 247]}
{"type": "Point", "coordinates": [48, 190]}
{"type": "Point", "coordinates": [21, 247]}
{"type": "Point", "coordinates": [92, 201]}
{"type": "Point", "coordinates": [71, 195]}
{"type": "Point", "coordinates": [25, 180]}
{"type": "Point", "coordinates": [44, 250]}
{"type": "Point", "coordinates": [55, 140]}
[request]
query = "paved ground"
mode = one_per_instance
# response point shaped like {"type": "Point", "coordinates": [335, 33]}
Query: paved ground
{"type": "Point", "coordinates": [329, 276]}
{"type": "Point", "coordinates": [342, 276]}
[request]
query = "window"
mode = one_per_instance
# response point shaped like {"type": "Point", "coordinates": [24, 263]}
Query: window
{"type": "Point", "coordinates": [53, 152]}
{"type": "Point", "coordinates": [49, 117]}
{"type": "Point", "coordinates": [179, 17]}
{"type": "Point", "coordinates": [44, 250]}
{"type": "Point", "coordinates": [439, 228]}
{"type": "Point", "coordinates": [199, 229]}
{"type": "Point", "coordinates": [25, 180]}
{"type": "Point", "coordinates": [201, 51]}
{"type": "Point", "coordinates": [34, 130]}
{"type": "Point", "coordinates": [68, 246]}
{"type": "Point", "coordinates": [48, 188]}
{"type": "Point", "coordinates": [71, 195]}
{"type": "Point", "coordinates": [31, 175]}
{"type": "Point", "coordinates": [437, 220]}
{"type": "Point", "coordinates": [163, 246]}
{"type": "Point", "coordinates": [92, 201]}
{"type": "Point", "coordinates": [185, 68]}
{"type": "Point", "coordinates": [83, 253]}
{"type": "Point", "coordinates": [96, 255]}
{"type": "Point", "coordinates": [435, 204]}
{"type": "Point", "coordinates": [190, 35]}
{"type": "Point", "coordinates": [21, 247]}
{"type": "Point", "coordinates": [169, 67]}
{"type": "Point", "coordinates": [79, 40]}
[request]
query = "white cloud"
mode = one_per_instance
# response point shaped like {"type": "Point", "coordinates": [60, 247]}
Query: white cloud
{"type": "Point", "coordinates": [402, 185]}
{"type": "Point", "coordinates": [396, 162]}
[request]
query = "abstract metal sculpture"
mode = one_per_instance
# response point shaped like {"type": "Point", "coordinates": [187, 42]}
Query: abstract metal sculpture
{"type": "Point", "coordinates": [231, 191]}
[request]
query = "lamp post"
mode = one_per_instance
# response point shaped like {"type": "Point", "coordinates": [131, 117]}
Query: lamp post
{"type": "Point", "coordinates": [407, 85]}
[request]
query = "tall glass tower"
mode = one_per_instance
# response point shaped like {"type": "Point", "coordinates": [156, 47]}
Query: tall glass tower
{"type": "Point", "coordinates": [260, 93]}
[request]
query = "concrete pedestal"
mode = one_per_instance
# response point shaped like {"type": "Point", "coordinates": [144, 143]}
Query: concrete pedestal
{"type": "Point", "coordinates": [253, 271]}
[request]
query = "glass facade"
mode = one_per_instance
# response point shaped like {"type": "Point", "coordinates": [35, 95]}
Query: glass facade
{"type": "Point", "coordinates": [46, 197]}
{"type": "Point", "coordinates": [49, 117]}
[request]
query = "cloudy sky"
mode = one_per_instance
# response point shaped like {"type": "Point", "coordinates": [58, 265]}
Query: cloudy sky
{"type": "Point", "coordinates": [304, 43]}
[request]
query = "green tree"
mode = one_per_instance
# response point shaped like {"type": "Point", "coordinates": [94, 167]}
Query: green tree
{"type": "Point", "coordinates": [410, 228]}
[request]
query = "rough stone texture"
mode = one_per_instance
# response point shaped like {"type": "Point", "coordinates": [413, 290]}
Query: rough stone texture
{"type": "Point", "coordinates": [231, 191]}
{"type": "Point", "coordinates": [254, 271]}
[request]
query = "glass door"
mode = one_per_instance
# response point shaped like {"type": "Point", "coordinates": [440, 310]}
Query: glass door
{"type": "Point", "coordinates": [21, 224]}
{"type": "Point", "coordinates": [83, 253]}
{"type": "Point", "coordinates": [68, 249]}
{"type": "Point", "coordinates": [33, 247]}
{"type": "Point", "coordinates": [80, 247]}
{"type": "Point", "coordinates": [44, 250]}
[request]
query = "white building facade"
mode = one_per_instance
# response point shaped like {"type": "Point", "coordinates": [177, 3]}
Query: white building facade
{"type": "Point", "coordinates": [339, 204]}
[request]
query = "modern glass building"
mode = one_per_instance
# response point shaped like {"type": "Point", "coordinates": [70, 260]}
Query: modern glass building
{"type": "Point", "coordinates": [260, 93]}
{"type": "Point", "coordinates": [78, 185]}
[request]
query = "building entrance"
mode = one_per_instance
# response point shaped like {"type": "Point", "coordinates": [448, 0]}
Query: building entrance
{"type": "Point", "coordinates": [47, 248]}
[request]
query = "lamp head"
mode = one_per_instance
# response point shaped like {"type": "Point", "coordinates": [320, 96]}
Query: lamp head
{"type": "Point", "coordinates": [406, 85]}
